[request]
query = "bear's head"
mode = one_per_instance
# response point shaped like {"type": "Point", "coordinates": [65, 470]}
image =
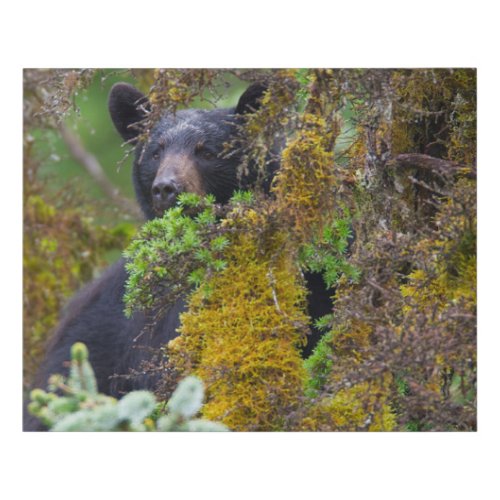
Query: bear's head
{"type": "Point", "coordinates": [184, 152]}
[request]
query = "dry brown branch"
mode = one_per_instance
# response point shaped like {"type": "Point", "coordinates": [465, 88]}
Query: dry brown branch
{"type": "Point", "coordinates": [90, 163]}
{"type": "Point", "coordinates": [430, 164]}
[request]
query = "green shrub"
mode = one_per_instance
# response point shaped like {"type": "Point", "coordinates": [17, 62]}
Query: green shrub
{"type": "Point", "coordinates": [82, 408]}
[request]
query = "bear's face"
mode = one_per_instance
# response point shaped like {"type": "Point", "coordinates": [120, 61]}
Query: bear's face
{"type": "Point", "coordinates": [184, 153]}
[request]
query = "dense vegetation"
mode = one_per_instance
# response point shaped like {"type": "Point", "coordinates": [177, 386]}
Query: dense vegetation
{"type": "Point", "coordinates": [82, 408]}
{"type": "Point", "coordinates": [388, 155]}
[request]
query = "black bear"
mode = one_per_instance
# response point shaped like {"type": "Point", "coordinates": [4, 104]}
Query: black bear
{"type": "Point", "coordinates": [182, 153]}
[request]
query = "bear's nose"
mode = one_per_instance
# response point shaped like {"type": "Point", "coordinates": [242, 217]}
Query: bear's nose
{"type": "Point", "coordinates": [164, 193]}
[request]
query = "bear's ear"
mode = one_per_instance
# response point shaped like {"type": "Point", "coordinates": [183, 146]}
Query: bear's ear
{"type": "Point", "coordinates": [250, 100]}
{"type": "Point", "coordinates": [127, 107]}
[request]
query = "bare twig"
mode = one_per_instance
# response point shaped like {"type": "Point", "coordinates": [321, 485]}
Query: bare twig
{"type": "Point", "coordinates": [272, 282]}
{"type": "Point", "coordinates": [95, 170]}
{"type": "Point", "coordinates": [431, 164]}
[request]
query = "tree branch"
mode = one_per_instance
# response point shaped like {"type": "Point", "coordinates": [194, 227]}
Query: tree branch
{"type": "Point", "coordinates": [431, 164]}
{"type": "Point", "coordinates": [93, 167]}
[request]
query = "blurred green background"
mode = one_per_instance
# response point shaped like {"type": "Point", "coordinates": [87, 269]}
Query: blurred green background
{"type": "Point", "coordinates": [90, 121]}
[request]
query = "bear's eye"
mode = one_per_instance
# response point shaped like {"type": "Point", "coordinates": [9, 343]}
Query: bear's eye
{"type": "Point", "coordinates": [156, 155]}
{"type": "Point", "coordinates": [205, 153]}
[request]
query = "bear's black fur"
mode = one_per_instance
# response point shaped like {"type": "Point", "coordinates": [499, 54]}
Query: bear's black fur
{"type": "Point", "coordinates": [183, 153]}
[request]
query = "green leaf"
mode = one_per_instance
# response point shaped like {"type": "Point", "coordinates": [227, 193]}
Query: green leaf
{"type": "Point", "coordinates": [167, 423]}
{"type": "Point", "coordinates": [81, 375]}
{"type": "Point", "coordinates": [210, 199]}
{"type": "Point", "coordinates": [187, 399]}
{"type": "Point", "coordinates": [219, 243]}
{"type": "Point", "coordinates": [324, 322]}
{"type": "Point", "coordinates": [63, 405]}
{"type": "Point", "coordinates": [204, 255]}
{"type": "Point", "coordinates": [196, 277]}
{"type": "Point", "coordinates": [245, 197]}
{"type": "Point", "coordinates": [219, 265]}
{"type": "Point", "coordinates": [136, 406]}
{"type": "Point", "coordinates": [79, 421]}
{"type": "Point", "coordinates": [39, 396]}
{"type": "Point", "coordinates": [188, 199]}
{"type": "Point", "coordinates": [99, 419]}
{"type": "Point", "coordinates": [206, 217]}
{"type": "Point", "coordinates": [79, 352]}
{"type": "Point", "coordinates": [190, 239]}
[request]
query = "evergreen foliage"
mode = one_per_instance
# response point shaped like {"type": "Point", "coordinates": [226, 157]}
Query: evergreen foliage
{"type": "Point", "coordinates": [173, 252]}
{"type": "Point", "coordinates": [82, 408]}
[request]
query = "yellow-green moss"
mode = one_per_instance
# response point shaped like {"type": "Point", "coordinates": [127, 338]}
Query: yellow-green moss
{"type": "Point", "coordinates": [304, 185]}
{"type": "Point", "coordinates": [361, 407]}
{"type": "Point", "coordinates": [243, 339]}
{"type": "Point", "coordinates": [436, 105]}
{"type": "Point", "coordinates": [450, 276]}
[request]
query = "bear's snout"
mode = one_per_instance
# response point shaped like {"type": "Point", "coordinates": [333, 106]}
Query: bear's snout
{"type": "Point", "coordinates": [164, 193]}
{"type": "Point", "coordinates": [176, 174]}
